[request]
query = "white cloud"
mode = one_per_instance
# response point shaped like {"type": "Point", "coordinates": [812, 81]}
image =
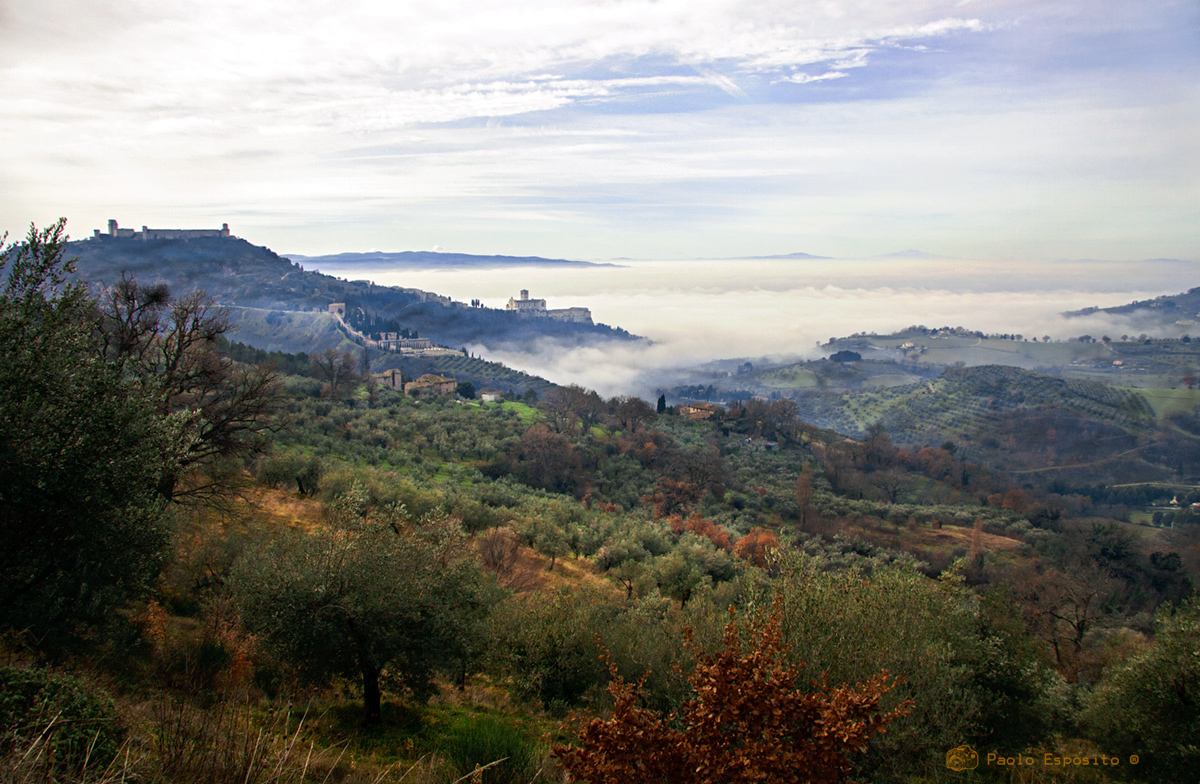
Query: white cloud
{"type": "Point", "coordinates": [803, 78]}
{"type": "Point", "coordinates": [580, 128]}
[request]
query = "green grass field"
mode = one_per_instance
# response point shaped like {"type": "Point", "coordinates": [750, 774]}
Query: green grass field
{"type": "Point", "coordinates": [1171, 401]}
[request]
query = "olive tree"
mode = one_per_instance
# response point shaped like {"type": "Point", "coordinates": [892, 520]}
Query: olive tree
{"type": "Point", "coordinates": [371, 595]}
{"type": "Point", "coordinates": [969, 677]}
{"type": "Point", "coordinates": [1150, 705]}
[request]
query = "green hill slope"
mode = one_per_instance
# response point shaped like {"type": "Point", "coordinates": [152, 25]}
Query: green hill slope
{"type": "Point", "coordinates": [1017, 420]}
{"type": "Point", "coordinates": [966, 400]}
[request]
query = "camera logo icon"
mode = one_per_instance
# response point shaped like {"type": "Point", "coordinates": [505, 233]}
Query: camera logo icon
{"type": "Point", "coordinates": [962, 758]}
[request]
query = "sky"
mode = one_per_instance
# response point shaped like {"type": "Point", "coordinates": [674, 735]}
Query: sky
{"type": "Point", "coordinates": [1005, 130]}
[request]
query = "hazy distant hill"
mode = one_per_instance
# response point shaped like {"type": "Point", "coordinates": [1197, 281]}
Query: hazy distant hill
{"type": "Point", "coordinates": [1180, 310]}
{"type": "Point", "coordinates": [238, 273]}
{"type": "Point", "coordinates": [410, 259]}
{"type": "Point", "coordinates": [911, 253]}
{"type": "Point", "coordinates": [284, 307]}
{"type": "Point", "coordinates": [782, 256]}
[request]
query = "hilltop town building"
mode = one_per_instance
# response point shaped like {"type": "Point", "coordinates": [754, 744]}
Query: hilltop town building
{"type": "Point", "coordinates": [526, 305]}
{"type": "Point", "coordinates": [537, 309]}
{"type": "Point", "coordinates": [391, 341]}
{"type": "Point", "coordinates": [115, 231]}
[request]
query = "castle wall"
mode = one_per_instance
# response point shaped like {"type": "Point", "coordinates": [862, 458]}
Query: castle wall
{"type": "Point", "coordinates": [575, 315]}
{"type": "Point", "coordinates": [162, 234]}
{"type": "Point", "coordinates": [181, 234]}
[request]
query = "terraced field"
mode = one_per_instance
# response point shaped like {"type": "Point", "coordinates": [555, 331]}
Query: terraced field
{"type": "Point", "coordinates": [969, 401]}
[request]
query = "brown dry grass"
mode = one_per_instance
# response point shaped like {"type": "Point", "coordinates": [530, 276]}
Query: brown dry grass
{"type": "Point", "coordinates": [278, 508]}
{"type": "Point", "coordinates": [523, 570]}
{"type": "Point", "coordinates": [925, 539]}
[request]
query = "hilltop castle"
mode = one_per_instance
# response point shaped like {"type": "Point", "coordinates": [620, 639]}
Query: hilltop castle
{"type": "Point", "coordinates": [161, 234]}
{"type": "Point", "coordinates": [537, 308]}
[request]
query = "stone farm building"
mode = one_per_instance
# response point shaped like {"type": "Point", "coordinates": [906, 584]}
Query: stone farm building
{"type": "Point", "coordinates": [391, 378]}
{"type": "Point", "coordinates": [429, 384]}
{"type": "Point", "coordinates": [115, 231]}
{"type": "Point", "coordinates": [701, 411]}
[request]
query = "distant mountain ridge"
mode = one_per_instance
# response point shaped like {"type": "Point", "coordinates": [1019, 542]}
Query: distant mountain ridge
{"type": "Point", "coordinates": [785, 256]}
{"type": "Point", "coordinates": [902, 254]}
{"type": "Point", "coordinates": [911, 253]}
{"type": "Point", "coordinates": [427, 259]}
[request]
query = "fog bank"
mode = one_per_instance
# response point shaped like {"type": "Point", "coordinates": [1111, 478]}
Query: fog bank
{"type": "Point", "coordinates": [698, 311]}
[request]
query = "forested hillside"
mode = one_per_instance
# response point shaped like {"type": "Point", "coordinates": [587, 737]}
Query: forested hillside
{"type": "Point", "coordinates": [1047, 429]}
{"type": "Point", "coordinates": [221, 564]}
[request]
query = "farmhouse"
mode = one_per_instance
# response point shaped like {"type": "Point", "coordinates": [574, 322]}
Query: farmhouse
{"type": "Point", "coordinates": [701, 411]}
{"type": "Point", "coordinates": [429, 384]}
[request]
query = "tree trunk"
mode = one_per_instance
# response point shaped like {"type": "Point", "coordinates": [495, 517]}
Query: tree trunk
{"type": "Point", "coordinates": [372, 712]}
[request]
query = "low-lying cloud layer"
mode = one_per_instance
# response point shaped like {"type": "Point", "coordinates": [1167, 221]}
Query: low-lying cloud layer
{"type": "Point", "coordinates": [695, 312]}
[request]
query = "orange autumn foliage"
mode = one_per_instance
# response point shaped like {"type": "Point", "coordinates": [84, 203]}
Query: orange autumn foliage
{"type": "Point", "coordinates": [756, 546]}
{"type": "Point", "coordinates": [701, 527]}
{"type": "Point", "coordinates": [747, 723]}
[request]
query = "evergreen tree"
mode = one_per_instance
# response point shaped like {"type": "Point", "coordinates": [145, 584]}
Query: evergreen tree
{"type": "Point", "coordinates": [82, 451]}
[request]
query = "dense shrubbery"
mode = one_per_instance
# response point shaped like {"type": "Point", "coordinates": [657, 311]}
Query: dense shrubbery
{"type": "Point", "coordinates": [747, 721]}
{"type": "Point", "coordinates": [74, 728]}
{"type": "Point", "coordinates": [1150, 705]}
{"type": "Point", "coordinates": [966, 680]}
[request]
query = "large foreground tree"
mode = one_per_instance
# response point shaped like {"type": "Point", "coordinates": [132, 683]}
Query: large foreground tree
{"type": "Point", "coordinates": [82, 452]}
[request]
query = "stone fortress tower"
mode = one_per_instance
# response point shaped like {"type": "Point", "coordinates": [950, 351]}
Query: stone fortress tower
{"type": "Point", "coordinates": [116, 232]}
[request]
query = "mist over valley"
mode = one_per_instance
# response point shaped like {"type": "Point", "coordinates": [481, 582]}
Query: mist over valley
{"type": "Point", "coordinates": [695, 311]}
